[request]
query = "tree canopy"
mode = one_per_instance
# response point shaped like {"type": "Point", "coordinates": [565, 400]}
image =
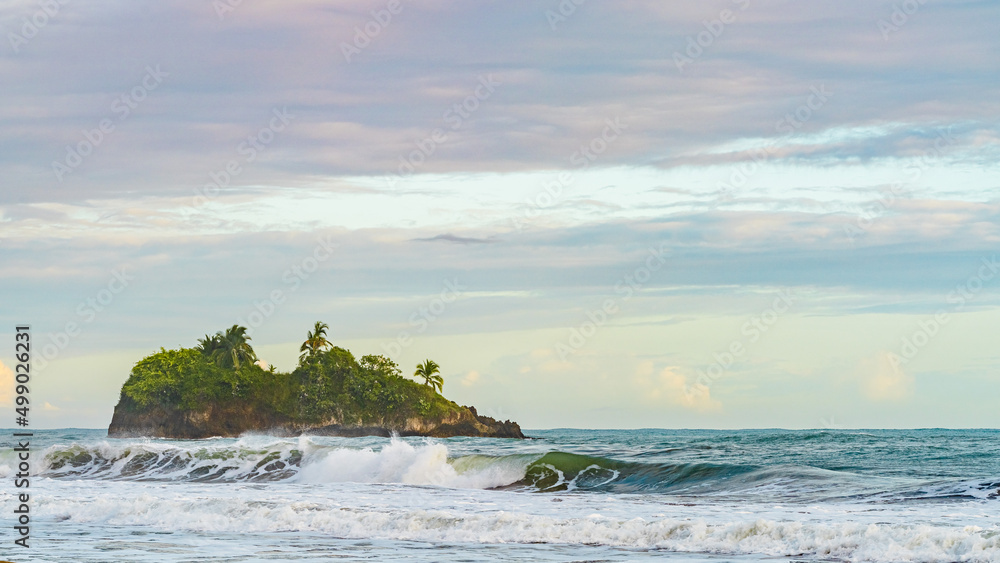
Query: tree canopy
{"type": "Point", "coordinates": [430, 372]}
{"type": "Point", "coordinates": [230, 349]}
{"type": "Point", "coordinates": [315, 341]}
{"type": "Point", "coordinates": [328, 384]}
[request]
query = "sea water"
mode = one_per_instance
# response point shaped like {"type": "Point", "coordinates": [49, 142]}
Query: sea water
{"type": "Point", "coordinates": [564, 495]}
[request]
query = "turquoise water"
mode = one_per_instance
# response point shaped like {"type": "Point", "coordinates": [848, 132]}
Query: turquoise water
{"type": "Point", "coordinates": [565, 495]}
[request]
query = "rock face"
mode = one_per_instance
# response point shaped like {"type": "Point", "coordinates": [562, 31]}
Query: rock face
{"type": "Point", "coordinates": [231, 420]}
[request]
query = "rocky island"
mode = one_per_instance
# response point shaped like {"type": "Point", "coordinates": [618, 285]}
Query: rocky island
{"type": "Point", "coordinates": [220, 389]}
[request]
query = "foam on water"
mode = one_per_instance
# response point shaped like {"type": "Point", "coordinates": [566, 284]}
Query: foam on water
{"type": "Point", "coordinates": [879, 496]}
{"type": "Point", "coordinates": [270, 459]}
{"type": "Point", "coordinates": [311, 460]}
{"type": "Point", "coordinates": [400, 462]}
{"type": "Point", "coordinates": [345, 513]}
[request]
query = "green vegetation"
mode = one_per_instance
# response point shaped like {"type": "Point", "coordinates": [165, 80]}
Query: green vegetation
{"type": "Point", "coordinates": [315, 342]}
{"type": "Point", "coordinates": [230, 349]}
{"type": "Point", "coordinates": [329, 386]}
{"type": "Point", "coordinates": [430, 372]}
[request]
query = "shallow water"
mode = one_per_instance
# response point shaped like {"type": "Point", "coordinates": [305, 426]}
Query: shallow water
{"type": "Point", "coordinates": [568, 495]}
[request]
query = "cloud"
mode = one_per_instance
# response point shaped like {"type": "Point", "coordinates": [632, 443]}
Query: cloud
{"type": "Point", "coordinates": [546, 361]}
{"type": "Point", "coordinates": [6, 386]}
{"type": "Point", "coordinates": [470, 379]}
{"type": "Point", "coordinates": [332, 170]}
{"type": "Point", "coordinates": [883, 381]}
{"type": "Point", "coordinates": [50, 407]}
{"type": "Point", "coordinates": [670, 386]}
{"type": "Point", "coordinates": [555, 91]}
{"type": "Point", "coordinates": [537, 278]}
{"type": "Point", "coordinates": [448, 237]}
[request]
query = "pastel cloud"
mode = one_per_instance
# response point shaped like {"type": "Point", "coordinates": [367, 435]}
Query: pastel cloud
{"type": "Point", "coordinates": [470, 378]}
{"type": "Point", "coordinates": [877, 196]}
{"type": "Point", "coordinates": [672, 387]}
{"type": "Point", "coordinates": [556, 89]}
{"type": "Point", "coordinates": [883, 379]}
{"type": "Point", "coordinates": [6, 386]}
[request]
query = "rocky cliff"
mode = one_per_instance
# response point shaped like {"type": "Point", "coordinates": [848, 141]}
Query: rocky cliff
{"type": "Point", "coordinates": [234, 419]}
{"type": "Point", "coordinates": [185, 393]}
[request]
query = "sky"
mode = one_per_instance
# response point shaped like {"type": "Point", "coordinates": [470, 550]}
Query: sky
{"type": "Point", "coordinates": [711, 214]}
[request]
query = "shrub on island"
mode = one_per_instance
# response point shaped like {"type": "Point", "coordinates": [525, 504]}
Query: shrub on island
{"type": "Point", "coordinates": [220, 388]}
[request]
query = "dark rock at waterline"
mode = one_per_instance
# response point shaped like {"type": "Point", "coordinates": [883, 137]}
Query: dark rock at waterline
{"type": "Point", "coordinates": [234, 419]}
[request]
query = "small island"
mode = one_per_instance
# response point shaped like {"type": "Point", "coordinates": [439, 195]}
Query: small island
{"type": "Point", "coordinates": [219, 388]}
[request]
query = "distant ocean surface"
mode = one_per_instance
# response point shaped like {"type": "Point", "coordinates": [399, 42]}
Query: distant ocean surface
{"type": "Point", "coordinates": [567, 495]}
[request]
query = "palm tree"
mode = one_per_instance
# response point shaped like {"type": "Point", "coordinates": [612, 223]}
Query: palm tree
{"type": "Point", "coordinates": [430, 372]}
{"type": "Point", "coordinates": [315, 342]}
{"type": "Point", "coordinates": [234, 348]}
{"type": "Point", "coordinates": [208, 345]}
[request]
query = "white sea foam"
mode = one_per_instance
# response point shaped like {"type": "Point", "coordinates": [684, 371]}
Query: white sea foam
{"type": "Point", "coordinates": [149, 459]}
{"type": "Point", "coordinates": [260, 458]}
{"type": "Point", "coordinates": [400, 462]}
{"type": "Point", "coordinates": [578, 524]}
{"type": "Point", "coordinates": [262, 490]}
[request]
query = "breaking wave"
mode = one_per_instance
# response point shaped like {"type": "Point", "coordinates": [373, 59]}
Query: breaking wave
{"type": "Point", "coordinates": [834, 540]}
{"type": "Point", "coordinates": [305, 461]}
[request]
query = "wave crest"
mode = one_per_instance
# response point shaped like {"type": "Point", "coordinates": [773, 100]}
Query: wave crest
{"type": "Point", "coordinates": [258, 459]}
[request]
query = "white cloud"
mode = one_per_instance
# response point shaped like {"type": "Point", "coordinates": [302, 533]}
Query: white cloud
{"type": "Point", "coordinates": [6, 386]}
{"type": "Point", "coordinates": [470, 378]}
{"type": "Point", "coordinates": [672, 387]}
{"type": "Point", "coordinates": [882, 380]}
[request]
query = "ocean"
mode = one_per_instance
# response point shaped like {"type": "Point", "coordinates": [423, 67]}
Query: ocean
{"type": "Point", "coordinates": [564, 495]}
